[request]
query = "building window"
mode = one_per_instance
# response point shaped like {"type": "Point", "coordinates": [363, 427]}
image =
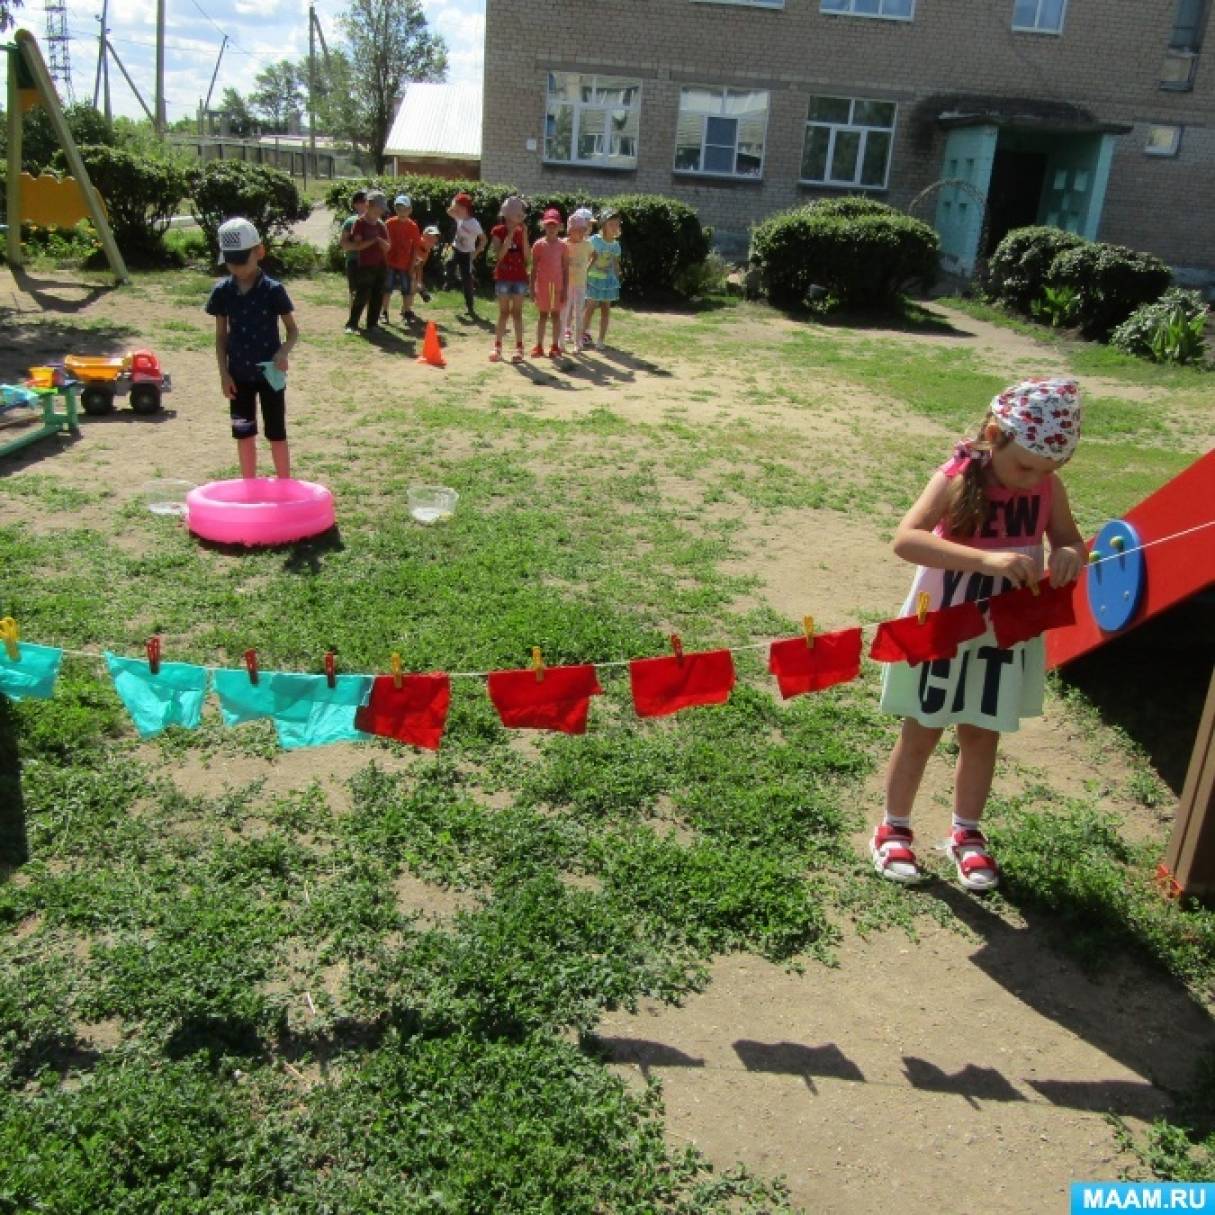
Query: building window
{"type": "Point", "coordinates": [1039, 16]}
{"type": "Point", "coordinates": [1163, 141]}
{"type": "Point", "coordinates": [1189, 22]}
{"type": "Point", "coordinates": [592, 120]}
{"type": "Point", "coordinates": [895, 10]}
{"type": "Point", "coordinates": [721, 132]}
{"type": "Point", "coordinates": [848, 142]}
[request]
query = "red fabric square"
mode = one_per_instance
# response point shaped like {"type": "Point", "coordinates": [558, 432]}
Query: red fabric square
{"type": "Point", "coordinates": [559, 701]}
{"type": "Point", "coordinates": [414, 713]}
{"type": "Point", "coordinates": [907, 640]}
{"type": "Point", "coordinates": [666, 685]}
{"type": "Point", "coordinates": [1021, 615]}
{"type": "Point", "coordinates": [833, 658]}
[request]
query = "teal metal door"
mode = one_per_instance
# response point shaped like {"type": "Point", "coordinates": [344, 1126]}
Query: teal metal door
{"type": "Point", "coordinates": [1077, 173]}
{"type": "Point", "coordinates": [962, 201]}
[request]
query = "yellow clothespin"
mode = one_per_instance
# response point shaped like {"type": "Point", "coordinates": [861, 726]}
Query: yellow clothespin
{"type": "Point", "coordinates": [1094, 557]}
{"type": "Point", "coordinates": [923, 599]}
{"type": "Point", "coordinates": [537, 663]}
{"type": "Point", "coordinates": [9, 632]}
{"type": "Point", "coordinates": [808, 628]}
{"type": "Point", "coordinates": [1117, 543]}
{"type": "Point", "coordinates": [394, 665]}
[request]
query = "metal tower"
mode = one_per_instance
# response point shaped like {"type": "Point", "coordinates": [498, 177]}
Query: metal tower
{"type": "Point", "coordinates": [57, 48]}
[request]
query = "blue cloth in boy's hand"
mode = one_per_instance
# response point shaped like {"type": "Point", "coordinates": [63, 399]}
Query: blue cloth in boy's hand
{"type": "Point", "coordinates": [275, 378]}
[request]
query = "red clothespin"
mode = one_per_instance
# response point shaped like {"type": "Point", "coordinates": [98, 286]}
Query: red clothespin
{"type": "Point", "coordinates": [330, 669]}
{"type": "Point", "coordinates": [153, 648]}
{"type": "Point", "coordinates": [808, 629]}
{"type": "Point", "coordinates": [394, 665]}
{"type": "Point", "coordinates": [538, 663]}
{"type": "Point", "coordinates": [922, 602]}
{"type": "Point", "coordinates": [677, 645]}
{"type": "Point", "coordinates": [251, 665]}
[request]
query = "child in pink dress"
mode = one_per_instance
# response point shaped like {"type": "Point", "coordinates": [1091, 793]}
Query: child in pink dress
{"type": "Point", "coordinates": [550, 281]}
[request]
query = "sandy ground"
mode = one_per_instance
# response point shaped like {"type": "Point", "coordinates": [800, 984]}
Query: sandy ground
{"type": "Point", "coordinates": [962, 1072]}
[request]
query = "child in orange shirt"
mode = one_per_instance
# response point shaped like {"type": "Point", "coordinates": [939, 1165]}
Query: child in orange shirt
{"type": "Point", "coordinates": [403, 241]}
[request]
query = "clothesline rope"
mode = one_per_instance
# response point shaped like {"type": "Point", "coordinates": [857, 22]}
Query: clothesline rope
{"type": "Point", "coordinates": [92, 656]}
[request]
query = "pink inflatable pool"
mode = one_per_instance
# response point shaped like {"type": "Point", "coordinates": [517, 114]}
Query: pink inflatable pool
{"type": "Point", "coordinates": [259, 510]}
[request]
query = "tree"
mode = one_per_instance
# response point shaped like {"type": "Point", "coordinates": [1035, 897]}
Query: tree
{"type": "Point", "coordinates": [338, 113]}
{"type": "Point", "coordinates": [39, 143]}
{"type": "Point", "coordinates": [390, 45]}
{"type": "Point", "coordinates": [6, 12]}
{"type": "Point", "coordinates": [233, 106]}
{"type": "Point", "coordinates": [279, 94]}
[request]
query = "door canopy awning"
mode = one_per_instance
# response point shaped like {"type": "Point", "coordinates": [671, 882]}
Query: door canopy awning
{"type": "Point", "coordinates": [1012, 120]}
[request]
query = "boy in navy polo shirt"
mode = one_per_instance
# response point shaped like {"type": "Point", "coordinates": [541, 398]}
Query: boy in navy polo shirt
{"type": "Point", "coordinates": [246, 307]}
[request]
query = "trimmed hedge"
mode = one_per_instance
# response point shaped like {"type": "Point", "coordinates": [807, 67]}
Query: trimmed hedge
{"type": "Point", "coordinates": [863, 252]}
{"type": "Point", "coordinates": [661, 240]}
{"type": "Point", "coordinates": [1110, 282]}
{"type": "Point", "coordinates": [141, 196]}
{"type": "Point", "coordinates": [267, 197]}
{"type": "Point", "coordinates": [1019, 269]}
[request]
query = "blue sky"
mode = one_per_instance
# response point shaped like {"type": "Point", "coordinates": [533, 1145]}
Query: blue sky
{"type": "Point", "coordinates": [261, 32]}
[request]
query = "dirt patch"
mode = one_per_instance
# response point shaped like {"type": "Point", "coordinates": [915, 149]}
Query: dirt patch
{"type": "Point", "coordinates": [911, 1066]}
{"type": "Point", "coordinates": [435, 904]}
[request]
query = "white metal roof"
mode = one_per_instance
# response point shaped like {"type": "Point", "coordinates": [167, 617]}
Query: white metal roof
{"type": "Point", "coordinates": [437, 120]}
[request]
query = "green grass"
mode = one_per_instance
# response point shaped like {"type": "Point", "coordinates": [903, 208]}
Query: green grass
{"type": "Point", "coordinates": [219, 1001]}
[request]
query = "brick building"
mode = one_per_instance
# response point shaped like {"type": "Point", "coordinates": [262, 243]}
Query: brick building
{"type": "Point", "coordinates": [978, 115]}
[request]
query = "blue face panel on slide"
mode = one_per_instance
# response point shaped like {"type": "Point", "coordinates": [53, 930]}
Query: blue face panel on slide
{"type": "Point", "coordinates": [1117, 583]}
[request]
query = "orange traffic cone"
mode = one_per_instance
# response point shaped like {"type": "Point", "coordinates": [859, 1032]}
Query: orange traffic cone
{"type": "Point", "coordinates": [432, 352]}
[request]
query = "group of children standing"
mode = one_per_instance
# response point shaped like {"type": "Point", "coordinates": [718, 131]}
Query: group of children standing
{"type": "Point", "coordinates": [384, 257]}
{"type": "Point", "coordinates": [567, 279]}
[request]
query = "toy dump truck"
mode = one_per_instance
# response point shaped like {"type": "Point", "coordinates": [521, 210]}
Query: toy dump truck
{"type": "Point", "coordinates": [136, 375]}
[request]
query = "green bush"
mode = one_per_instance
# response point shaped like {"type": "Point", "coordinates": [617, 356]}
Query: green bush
{"type": "Point", "coordinates": [141, 196]}
{"type": "Point", "coordinates": [1057, 308]}
{"type": "Point", "coordinates": [862, 252]}
{"type": "Point", "coordinates": [1019, 269]}
{"type": "Point", "coordinates": [63, 246]}
{"type": "Point", "coordinates": [1110, 282]}
{"type": "Point", "coordinates": [292, 258]}
{"type": "Point", "coordinates": [661, 239]}
{"type": "Point", "coordinates": [1145, 332]}
{"type": "Point", "coordinates": [268, 198]}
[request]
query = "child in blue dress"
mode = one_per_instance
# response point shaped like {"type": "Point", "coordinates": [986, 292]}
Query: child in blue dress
{"type": "Point", "coordinates": [602, 275]}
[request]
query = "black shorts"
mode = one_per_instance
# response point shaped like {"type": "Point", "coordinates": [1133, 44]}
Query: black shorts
{"type": "Point", "coordinates": [243, 410]}
{"type": "Point", "coordinates": [352, 269]}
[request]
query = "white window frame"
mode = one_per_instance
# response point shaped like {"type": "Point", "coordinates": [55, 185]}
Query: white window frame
{"type": "Point", "coordinates": [722, 90]}
{"type": "Point", "coordinates": [1037, 27]}
{"type": "Point", "coordinates": [1174, 149]}
{"type": "Point", "coordinates": [578, 107]}
{"type": "Point", "coordinates": [850, 11]}
{"type": "Point", "coordinates": [863, 129]}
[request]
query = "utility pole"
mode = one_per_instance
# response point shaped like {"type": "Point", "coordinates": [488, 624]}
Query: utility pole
{"type": "Point", "coordinates": [127, 77]}
{"type": "Point", "coordinates": [159, 121]}
{"type": "Point", "coordinates": [311, 153]}
{"type": "Point", "coordinates": [214, 74]}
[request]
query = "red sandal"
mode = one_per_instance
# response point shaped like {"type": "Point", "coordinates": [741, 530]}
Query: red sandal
{"type": "Point", "coordinates": [890, 847]}
{"type": "Point", "coordinates": [976, 867]}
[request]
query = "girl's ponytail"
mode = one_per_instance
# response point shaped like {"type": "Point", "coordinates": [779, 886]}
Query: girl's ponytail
{"type": "Point", "coordinates": [968, 491]}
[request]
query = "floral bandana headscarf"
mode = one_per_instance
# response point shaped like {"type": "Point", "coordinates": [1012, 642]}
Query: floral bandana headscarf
{"type": "Point", "coordinates": [1041, 415]}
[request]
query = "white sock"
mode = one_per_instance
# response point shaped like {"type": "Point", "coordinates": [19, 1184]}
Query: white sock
{"type": "Point", "coordinates": [965, 824]}
{"type": "Point", "coordinates": [895, 821]}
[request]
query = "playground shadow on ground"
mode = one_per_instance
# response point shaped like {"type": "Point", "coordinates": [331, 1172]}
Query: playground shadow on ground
{"type": "Point", "coordinates": [28, 341]}
{"type": "Point", "coordinates": [50, 294]}
{"type": "Point", "coordinates": [1152, 683]}
{"type": "Point", "coordinates": [14, 843]}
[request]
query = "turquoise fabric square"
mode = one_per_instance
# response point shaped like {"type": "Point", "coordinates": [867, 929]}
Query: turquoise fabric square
{"type": "Point", "coordinates": [172, 697]}
{"type": "Point", "coordinates": [309, 713]}
{"type": "Point", "coordinates": [275, 378]}
{"type": "Point", "coordinates": [33, 675]}
{"type": "Point", "coordinates": [242, 700]}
